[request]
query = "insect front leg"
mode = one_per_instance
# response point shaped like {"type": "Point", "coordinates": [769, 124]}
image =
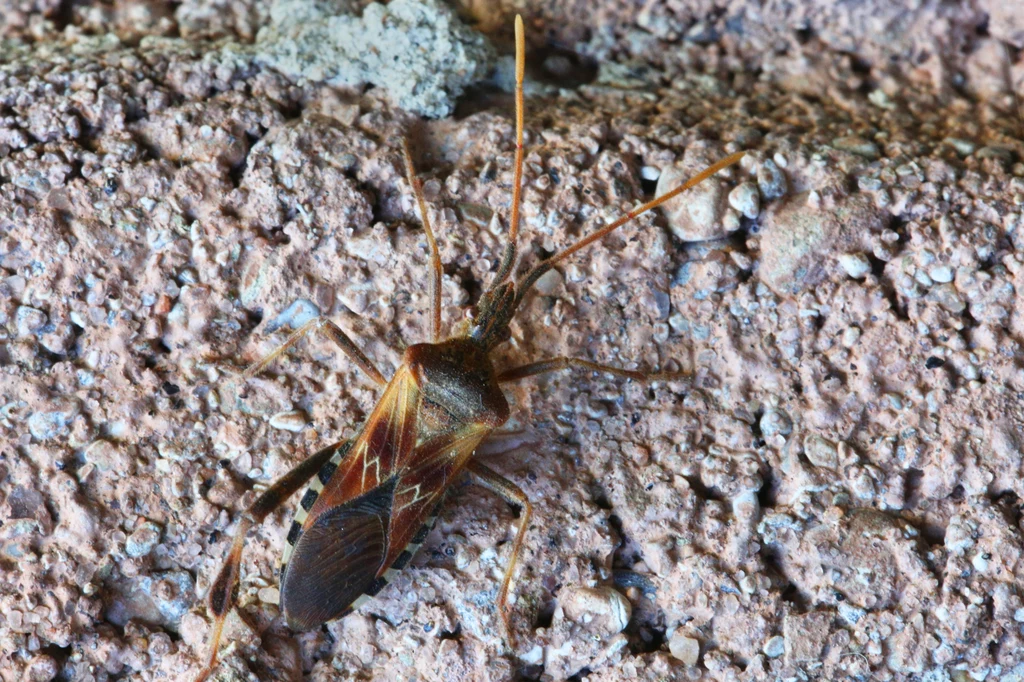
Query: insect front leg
{"type": "Point", "coordinates": [224, 589]}
{"type": "Point", "coordinates": [507, 490]}
{"type": "Point", "coordinates": [331, 331]}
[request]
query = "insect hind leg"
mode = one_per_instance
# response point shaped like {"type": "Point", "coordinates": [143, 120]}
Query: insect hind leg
{"type": "Point", "coordinates": [486, 477]}
{"type": "Point", "coordinates": [224, 589]}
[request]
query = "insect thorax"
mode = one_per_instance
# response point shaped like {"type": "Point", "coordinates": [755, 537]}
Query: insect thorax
{"type": "Point", "coordinates": [457, 382]}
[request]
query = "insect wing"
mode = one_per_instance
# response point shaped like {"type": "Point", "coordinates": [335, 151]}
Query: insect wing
{"type": "Point", "coordinates": [341, 535]}
{"type": "Point", "coordinates": [439, 461]}
{"type": "Point", "coordinates": [335, 560]}
{"type": "Point", "coordinates": [387, 439]}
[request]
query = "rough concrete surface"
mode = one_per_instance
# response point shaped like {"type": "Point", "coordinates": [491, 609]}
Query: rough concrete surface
{"type": "Point", "coordinates": [831, 488]}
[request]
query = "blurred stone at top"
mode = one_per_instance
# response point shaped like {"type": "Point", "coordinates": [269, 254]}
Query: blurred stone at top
{"type": "Point", "coordinates": [417, 50]}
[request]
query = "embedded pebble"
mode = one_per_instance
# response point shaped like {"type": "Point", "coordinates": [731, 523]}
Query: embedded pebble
{"type": "Point", "coordinates": [745, 199]}
{"type": "Point", "coordinates": [292, 420]}
{"type": "Point", "coordinates": [963, 147]}
{"type": "Point", "coordinates": [269, 595]}
{"type": "Point", "coordinates": [142, 541]}
{"type": "Point", "coordinates": [650, 173]}
{"type": "Point", "coordinates": [48, 425]}
{"type": "Point", "coordinates": [947, 297]}
{"type": "Point", "coordinates": [548, 283]}
{"type": "Point", "coordinates": [941, 273]}
{"type": "Point", "coordinates": [295, 315]}
{"type": "Point", "coordinates": [607, 608]}
{"type": "Point", "coordinates": [775, 422]}
{"type": "Point", "coordinates": [857, 145]}
{"type": "Point", "coordinates": [172, 592]}
{"type": "Point", "coordinates": [698, 214]}
{"type": "Point", "coordinates": [29, 320]}
{"type": "Point", "coordinates": [106, 456]}
{"type": "Point", "coordinates": [686, 649]}
{"type": "Point", "coordinates": [856, 265]}
{"type": "Point", "coordinates": [774, 647]}
{"type": "Point", "coordinates": [821, 452]}
{"type": "Point", "coordinates": [771, 181]}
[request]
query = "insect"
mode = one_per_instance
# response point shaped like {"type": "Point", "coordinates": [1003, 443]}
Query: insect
{"type": "Point", "coordinates": [372, 499]}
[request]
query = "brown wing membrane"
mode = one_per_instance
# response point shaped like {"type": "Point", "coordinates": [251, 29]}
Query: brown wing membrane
{"type": "Point", "coordinates": [386, 439]}
{"type": "Point", "coordinates": [336, 559]}
{"type": "Point", "coordinates": [440, 460]}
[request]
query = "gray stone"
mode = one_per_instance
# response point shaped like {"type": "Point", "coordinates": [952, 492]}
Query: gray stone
{"type": "Point", "coordinates": [417, 50]}
{"type": "Point", "coordinates": [771, 181]}
{"type": "Point", "coordinates": [774, 647]}
{"type": "Point", "coordinates": [49, 425]}
{"type": "Point", "coordinates": [142, 541]}
{"type": "Point", "coordinates": [29, 320]}
{"type": "Point", "coordinates": [295, 315]}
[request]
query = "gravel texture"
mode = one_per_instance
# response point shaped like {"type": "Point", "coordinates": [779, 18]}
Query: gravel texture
{"type": "Point", "coordinates": [833, 487]}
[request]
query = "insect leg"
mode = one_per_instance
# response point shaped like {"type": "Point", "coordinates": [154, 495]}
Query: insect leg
{"type": "Point", "coordinates": [507, 490]}
{"type": "Point", "coordinates": [331, 331]}
{"type": "Point", "coordinates": [555, 364]}
{"type": "Point", "coordinates": [224, 588]}
{"type": "Point", "coordinates": [435, 255]}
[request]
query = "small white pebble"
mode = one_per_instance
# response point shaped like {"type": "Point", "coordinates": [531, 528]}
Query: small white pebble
{"type": "Point", "coordinates": [850, 336]}
{"type": "Point", "coordinates": [585, 604]}
{"type": "Point", "coordinates": [270, 595]}
{"type": "Point", "coordinates": [650, 173]}
{"type": "Point", "coordinates": [941, 273]}
{"type": "Point", "coordinates": [548, 282]}
{"type": "Point", "coordinates": [745, 199]}
{"type": "Point", "coordinates": [684, 648]}
{"type": "Point", "coordinates": [293, 420]}
{"type": "Point", "coordinates": [774, 647]}
{"type": "Point", "coordinates": [856, 265]}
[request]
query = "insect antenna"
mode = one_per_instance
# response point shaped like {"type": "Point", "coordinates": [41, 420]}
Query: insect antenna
{"type": "Point", "coordinates": [435, 255]}
{"type": "Point", "coordinates": [509, 257]}
{"type": "Point", "coordinates": [531, 278]}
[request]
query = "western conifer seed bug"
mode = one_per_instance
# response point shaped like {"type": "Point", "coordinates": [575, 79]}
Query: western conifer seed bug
{"type": "Point", "coordinates": [372, 499]}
